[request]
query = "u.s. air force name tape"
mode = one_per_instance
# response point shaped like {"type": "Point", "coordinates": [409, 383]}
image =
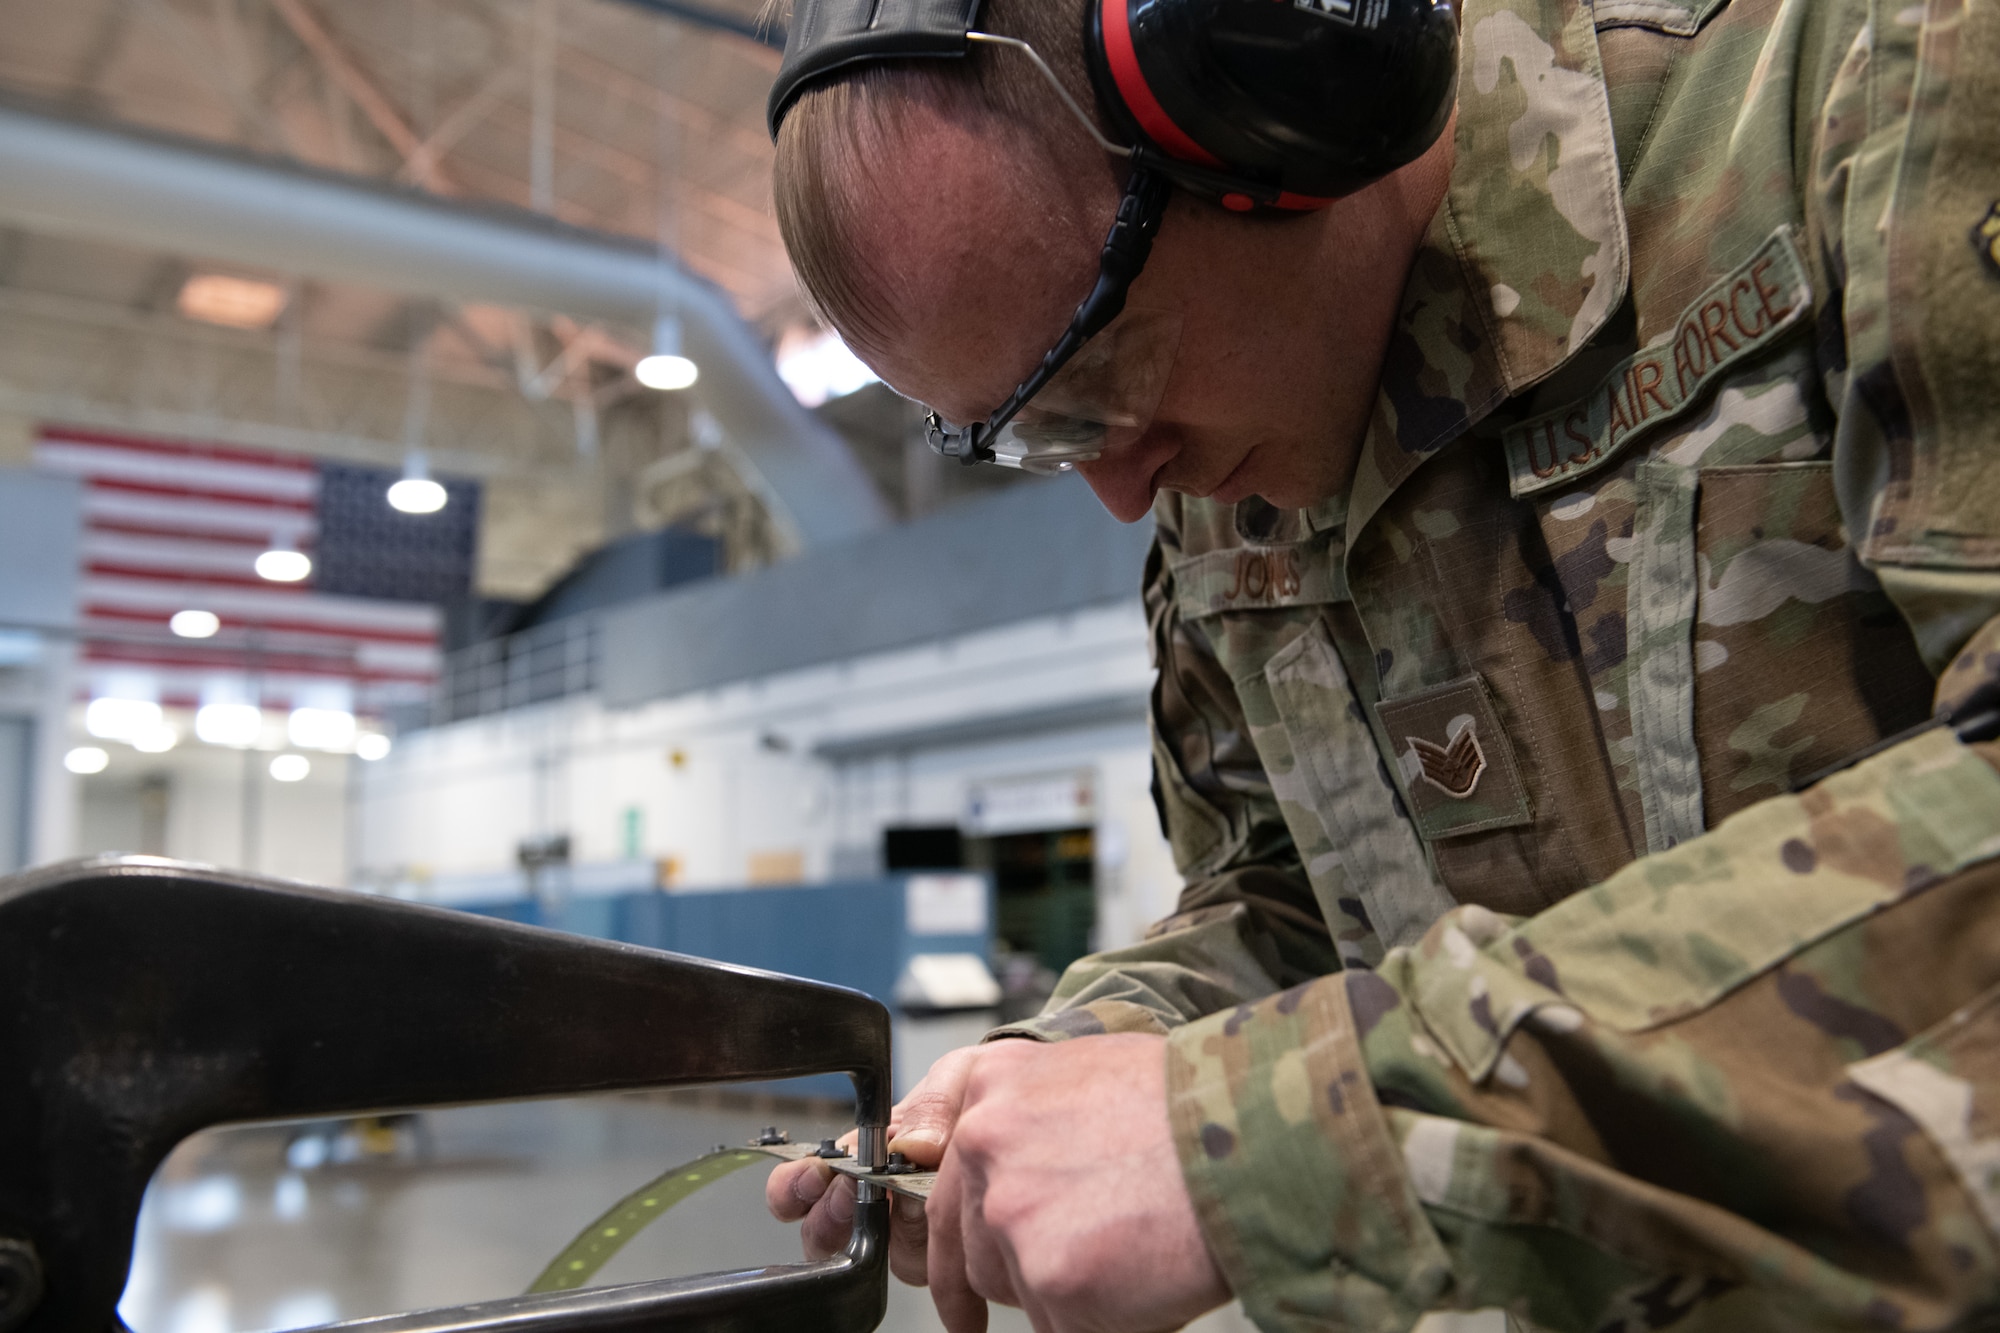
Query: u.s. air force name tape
{"type": "Point", "coordinates": [1738, 314]}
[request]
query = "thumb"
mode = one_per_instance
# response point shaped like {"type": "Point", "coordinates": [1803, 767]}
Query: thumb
{"type": "Point", "coordinates": [922, 1122]}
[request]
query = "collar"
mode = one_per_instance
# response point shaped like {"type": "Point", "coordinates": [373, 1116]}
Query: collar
{"type": "Point", "coordinates": [1528, 257]}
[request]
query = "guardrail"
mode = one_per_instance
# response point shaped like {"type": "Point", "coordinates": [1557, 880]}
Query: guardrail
{"type": "Point", "coordinates": [536, 665]}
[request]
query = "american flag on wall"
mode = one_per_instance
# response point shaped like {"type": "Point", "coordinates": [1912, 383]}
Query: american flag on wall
{"type": "Point", "coordinates": [172, 526]}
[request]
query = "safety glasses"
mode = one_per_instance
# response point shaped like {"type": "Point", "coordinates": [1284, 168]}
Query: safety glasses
{"type": "Point", "coordinates": [1099, 395]}
{"type": "Point", "coordinates": [1101, 382]}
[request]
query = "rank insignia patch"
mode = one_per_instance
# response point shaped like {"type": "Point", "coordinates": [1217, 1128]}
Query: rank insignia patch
{"type": "Point", "coordinates": [1454, 767]}
{"type": "Point", "coordinates": [1456, 764]}
{"type": "Point", "coordinates": [1986, 239]}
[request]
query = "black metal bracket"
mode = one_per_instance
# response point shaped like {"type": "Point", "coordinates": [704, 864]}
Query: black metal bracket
{"type": "Point", "coordinates": [142, 1000]}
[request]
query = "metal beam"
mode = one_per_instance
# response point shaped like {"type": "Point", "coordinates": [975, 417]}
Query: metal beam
{"type": "Point", "coordinates": [166, 193]}
{"type": "Point", "coordinates": [383, 114]}
{"type": "Point", "coordinates": [771, 34]}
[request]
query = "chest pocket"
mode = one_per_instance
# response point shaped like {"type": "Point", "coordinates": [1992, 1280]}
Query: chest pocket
{"type": "Point", "coordinates": [1312, 735]}
{"type": "Point", "coordinates": [1678, 18]}
{"type": "Point", "coordinates": [1354, 834]}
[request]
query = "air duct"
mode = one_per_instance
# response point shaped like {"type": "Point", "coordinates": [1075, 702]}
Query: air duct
{"type": "Point", "coordinates": [164, 193]}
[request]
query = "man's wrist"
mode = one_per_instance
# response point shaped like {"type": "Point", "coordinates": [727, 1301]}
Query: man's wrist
{"type": "Point", "coordinates": [1295, 1177]}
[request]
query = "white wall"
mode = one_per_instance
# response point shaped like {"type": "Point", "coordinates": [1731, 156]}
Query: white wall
{"type": "Point", "coordinates": [727, 779]}
{"type": "Point", "coordinates": [203, 810]}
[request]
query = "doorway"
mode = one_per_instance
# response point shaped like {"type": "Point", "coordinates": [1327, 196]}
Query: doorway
{"type": "Point", "coordinates": [1045, 895]}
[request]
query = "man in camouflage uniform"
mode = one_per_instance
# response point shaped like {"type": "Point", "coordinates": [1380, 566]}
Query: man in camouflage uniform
{"type": "Point", "coordinates": [1510, 970]}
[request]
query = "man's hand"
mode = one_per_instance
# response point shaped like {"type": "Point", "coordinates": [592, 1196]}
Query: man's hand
{"type": "Point", "coordinates": [1061, 1193]}
{"type": "Point", "coordinates": [919, 1127]}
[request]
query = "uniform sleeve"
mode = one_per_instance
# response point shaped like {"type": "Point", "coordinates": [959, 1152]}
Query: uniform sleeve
{"type": "Point", "coordinates": [1752, 1082]}
{"type": "Point", "coordinates": [1248, 924]}
{"type": "Point", "coordinates": [1903, 223]}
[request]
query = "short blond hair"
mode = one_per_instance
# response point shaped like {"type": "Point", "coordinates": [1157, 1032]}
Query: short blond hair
{"type": "Point", "coordinates": [841, 134]}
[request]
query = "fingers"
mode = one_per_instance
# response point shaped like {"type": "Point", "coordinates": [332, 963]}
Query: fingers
{"type": "Point", "coordinates": [828, 1226]}
{"type": "Point", "coordinates": [810, 1190]}
{"type": "Point", "coordinates": [984, 1252]}
{"type": "Point", "coordinates": [921, 1124]}
{"type": "Point", "coordinates": [959, 1307]}
{"type": "Point", "coordinates": [909, 1236]}
{"type": "Point", "coordinates": [920, 1127]}
{"type": "Point", "coordinates": [792, 1189]}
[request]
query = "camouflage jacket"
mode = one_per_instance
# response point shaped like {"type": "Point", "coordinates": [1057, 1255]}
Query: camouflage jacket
{"type": "Point", "coordinates": [1682, 485]}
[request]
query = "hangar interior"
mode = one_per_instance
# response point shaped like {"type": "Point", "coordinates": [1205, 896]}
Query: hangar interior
{"type": "Point", "coordinates": [421, 476]}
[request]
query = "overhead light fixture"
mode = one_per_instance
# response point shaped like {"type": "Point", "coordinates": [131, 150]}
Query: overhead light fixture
{"type": "Point", "coordinates": [321, 728]}
{"type": "Point", "coordinates": [667, 368]}
{"type": "Point", "coordinates": [234, 303]}
{"type": "Point", "coordinates": [195, 624]}
{"type": "Point", "coordinates": [372, 745]}
{"type": "Point", "coordinates": [115, 719]}
{"type": "Point", "coordinates": [87, 759]}
{"type": "Point", "coordinates": [156, 740]}
{"type": "Point", "coordinates": [415, 492]}
{"type": "Point", "coordinates": [291, 767]}
{"type": "Point", "coordinates": [236, 725]}
{"type": "Point", "coordinates": [281, 564]}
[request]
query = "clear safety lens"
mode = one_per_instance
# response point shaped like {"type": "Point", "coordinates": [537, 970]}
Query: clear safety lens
{"type": "Point", "coordinates": [1105, 397]}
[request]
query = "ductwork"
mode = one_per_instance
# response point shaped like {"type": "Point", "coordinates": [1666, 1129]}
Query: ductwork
{"type": "Point", "coordinates": [161, 193]}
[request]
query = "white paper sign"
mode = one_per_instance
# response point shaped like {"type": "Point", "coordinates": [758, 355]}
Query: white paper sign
{"type": "Point", "coordinates": [947, 981]}
{"type": "Point", "coordinates": [945, 905]}
{"type": "Point", "coordinates": [1030, 805]}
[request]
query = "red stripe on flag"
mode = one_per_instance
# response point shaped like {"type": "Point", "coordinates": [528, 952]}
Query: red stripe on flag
{"type": "Point", "coordinates": [293, 664]}
{"type": "Point", "coordinates": [107, 570]}
{"type": "Point", "coordinates": [128, 528]}
{"type": "Point", "coordinates": [239, 622]}
{"type": "Point", "coordinates": [221, 453]}
{"type": "Point", "coordinates": [194, 493]}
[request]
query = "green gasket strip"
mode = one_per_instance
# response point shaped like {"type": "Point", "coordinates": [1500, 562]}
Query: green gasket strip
{"type": "Point", "coordinates": [597, 1243]}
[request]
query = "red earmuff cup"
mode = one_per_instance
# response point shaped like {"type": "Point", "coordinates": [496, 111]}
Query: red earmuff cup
{"type": "Point", "coordinates": [1121, 59]}
{"type": "Point", "coordinates": [1123, 62]}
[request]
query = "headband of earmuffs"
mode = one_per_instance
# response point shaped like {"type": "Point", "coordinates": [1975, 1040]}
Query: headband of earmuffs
{"type": "Point", "coordinates": [1286, 102]}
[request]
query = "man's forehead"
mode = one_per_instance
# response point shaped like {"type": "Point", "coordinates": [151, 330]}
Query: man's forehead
{"type": "Point", "coordinates": [985, 254]}
{"type": "Point", "coordinates": [957, 197]}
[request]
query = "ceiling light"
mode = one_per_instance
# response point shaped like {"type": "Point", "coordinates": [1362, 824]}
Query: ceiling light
{"type": "Point", "coordinates": [417, 495]}
{"type": "Point", "coordinates": [86, 759]}
{"type": "Point", "coordinates": [236, 303]}
{"type": "Point", "coordinates": [415, 492]}
{"type": "Point", "coordinates": [372, 745]}
{"type": "Point", "coordinates": [283, 565]}
{"type": "Point", "coordinates": [665, 372]}
{"type": "Point", "coordinates": [291, 767]}
{"type": "Point", "coordinates": [120, 719]}
{"type": "Point", "coordinates": [666, 369]}
{"type": "Point", "coordinates": [321, 728]}
{"type": "Point", "coordinates": [156, 740]}
{"type": "Point", "coordinates": [235, 725]}
{"type": "Point", "coordinates": [195, 624]}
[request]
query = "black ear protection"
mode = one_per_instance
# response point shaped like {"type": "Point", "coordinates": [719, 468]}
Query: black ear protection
{"type": "Point", "coordinates": [1290, 103]}
{"type": "Point", "coordinates": [1285, 103]}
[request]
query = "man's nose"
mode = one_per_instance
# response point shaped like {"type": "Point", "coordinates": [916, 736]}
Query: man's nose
{"type": "Point", "coordinates": [1125, 478]}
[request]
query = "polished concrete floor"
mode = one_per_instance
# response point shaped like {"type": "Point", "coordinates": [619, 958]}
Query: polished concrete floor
{"type": "Point", "coordinates": [288, 1226]}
